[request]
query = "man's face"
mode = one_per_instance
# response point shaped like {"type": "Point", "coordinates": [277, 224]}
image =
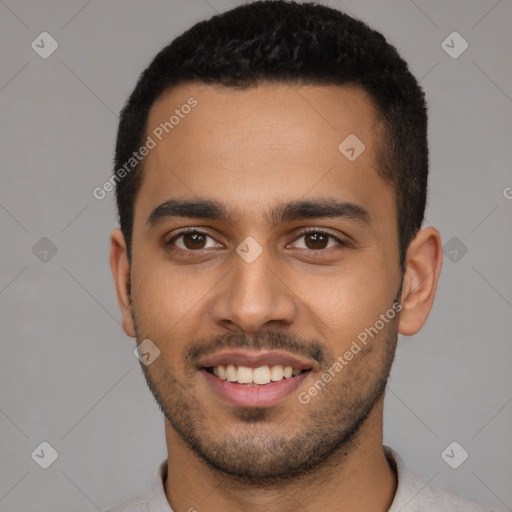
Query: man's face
{"type": "Point", "coordinates": [297, 258]}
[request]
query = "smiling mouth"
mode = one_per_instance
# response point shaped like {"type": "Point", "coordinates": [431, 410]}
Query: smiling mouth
{"type": "Point", "coordinates": [259, 376]}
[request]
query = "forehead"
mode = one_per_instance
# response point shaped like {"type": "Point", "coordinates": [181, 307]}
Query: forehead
{"type": "Point", "coordinates": [272, 114]}
{"type": "Point", "coordinates": [262, 144]}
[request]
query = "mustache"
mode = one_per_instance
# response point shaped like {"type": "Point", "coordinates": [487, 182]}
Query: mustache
{"type": "Point", "coordinates": [263, 340]}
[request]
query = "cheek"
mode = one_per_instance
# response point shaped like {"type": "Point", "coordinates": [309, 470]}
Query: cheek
{"type": "Point", "coordinates": [342, 304]}
{"type": "Point", "coordinates": [168, 301]}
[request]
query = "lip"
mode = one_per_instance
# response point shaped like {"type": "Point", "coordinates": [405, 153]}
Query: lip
{"type": "Point", "coordinates": [255, 359]}
{"type": "Point", "coordinates": [243, 395]}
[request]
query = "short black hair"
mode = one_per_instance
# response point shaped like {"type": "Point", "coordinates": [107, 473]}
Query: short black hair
{"type": "Point", "coordinates": [277, 41]}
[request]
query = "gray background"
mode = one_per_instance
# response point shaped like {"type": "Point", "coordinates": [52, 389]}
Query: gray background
{"type": "Point", "coordinates": [67, 372]}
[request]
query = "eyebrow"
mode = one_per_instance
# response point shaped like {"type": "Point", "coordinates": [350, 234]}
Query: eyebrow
{"type": "Point", "coordinates": [293, 210]}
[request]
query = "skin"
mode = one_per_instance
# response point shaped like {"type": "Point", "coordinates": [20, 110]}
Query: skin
{"type": "Point", "coordinates": [252, 150]}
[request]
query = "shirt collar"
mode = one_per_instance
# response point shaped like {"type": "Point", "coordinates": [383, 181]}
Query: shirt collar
{"type": "Point", "coordinates": [158, 500]}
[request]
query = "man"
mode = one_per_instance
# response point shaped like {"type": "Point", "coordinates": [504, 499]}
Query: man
{"type": "Point", "coordinates": [271, 174]}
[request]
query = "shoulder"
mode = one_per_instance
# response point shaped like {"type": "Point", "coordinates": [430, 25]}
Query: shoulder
{"type": "Point", "coordinates": [135, 504]}
{"type": "Point", "coordinates": [414, 495]}
{"type": "Point", "coordinates": [153, 500]}
{"type": "Point", "coordinates": [434, 499]}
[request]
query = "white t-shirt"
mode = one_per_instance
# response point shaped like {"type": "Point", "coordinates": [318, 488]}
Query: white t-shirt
{"type": "Point", "coordinates": [412, 494]}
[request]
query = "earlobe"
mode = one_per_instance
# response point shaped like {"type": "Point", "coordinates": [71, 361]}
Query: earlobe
{"type": "Point", "coordinates": [121, 272]}
{"type": "Point", "coordinates": [423, 266]}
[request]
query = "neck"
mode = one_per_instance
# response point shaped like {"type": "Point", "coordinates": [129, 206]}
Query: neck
{"type": "Point", "coordinates": [357, 478]}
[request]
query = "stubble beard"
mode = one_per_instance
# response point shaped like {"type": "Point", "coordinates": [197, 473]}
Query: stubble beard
{"type": "Point", "coordinates": [324, 431]}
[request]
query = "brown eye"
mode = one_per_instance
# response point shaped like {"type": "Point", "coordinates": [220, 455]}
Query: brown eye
{"type": "Point", "coordinates": [193, 240]}
{"type": "Point", "coordinates": [316, 240]}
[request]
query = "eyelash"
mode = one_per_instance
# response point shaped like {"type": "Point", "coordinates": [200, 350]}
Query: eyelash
{"type": "Point", "coordinates": [308, 231]}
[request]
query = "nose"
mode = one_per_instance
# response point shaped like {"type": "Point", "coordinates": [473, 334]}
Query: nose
{"type": "Point", "coordinates": [252, 296]}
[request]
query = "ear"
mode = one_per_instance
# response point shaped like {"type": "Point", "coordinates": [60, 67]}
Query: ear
{"type": "Point", "coordinates": [424, 259]}
{"type": "Point", "coordinates": [121, 271]}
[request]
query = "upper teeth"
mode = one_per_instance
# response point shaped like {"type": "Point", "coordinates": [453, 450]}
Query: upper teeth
{"type": "Point", "coordinates": [260, 375]}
